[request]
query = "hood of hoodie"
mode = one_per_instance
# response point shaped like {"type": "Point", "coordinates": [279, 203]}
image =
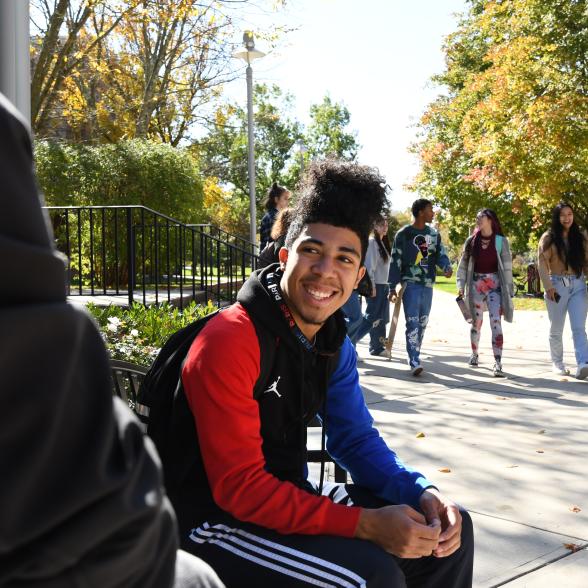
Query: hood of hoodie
{"type": "Point", "coordinates": [32, 271]}
{"type": "Point", "coordinates": [256, 297]}
{"type": "Point", "coordinates": [284, 432]}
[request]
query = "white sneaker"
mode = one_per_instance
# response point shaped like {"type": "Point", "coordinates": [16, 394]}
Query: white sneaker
{"type": "Point", "coordinates": [582, 371]}
{"type": "Point", "coordinates": [560, 369]}
{"type": "Point", "coordinates": [417, 370]}
{"type": "Point", "coordinates": [498, 373]}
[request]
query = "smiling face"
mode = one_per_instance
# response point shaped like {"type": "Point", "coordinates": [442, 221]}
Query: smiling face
{"type": "Point", "coordinates": [566, 218]}
{"type": "Point", "coordinates": [320, 271]}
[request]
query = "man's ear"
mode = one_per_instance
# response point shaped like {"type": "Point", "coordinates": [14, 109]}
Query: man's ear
{"type": "Point", "coordinates": [360, 275]}
{"type": "Point", "coordinates": [283, 257]}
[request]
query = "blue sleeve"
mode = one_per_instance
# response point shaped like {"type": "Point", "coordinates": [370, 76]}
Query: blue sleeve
{"type": "Point", "coordinates": [395, 271]}
{"type": "Point", "coordinates": [355, 444]}
{"type": "Point", "coordinates": [442, 258]}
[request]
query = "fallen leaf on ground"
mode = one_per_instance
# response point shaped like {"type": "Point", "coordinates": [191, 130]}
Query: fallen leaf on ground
{"type": "Point", "coordinates": [541, 432]}
{"type": "Point", "coordinates": [564, 380]}
{"type": "Point", "coordinates": [485, 409]}
{"type": "Point", "coordinates": [519, 346]}
{"type": "Point", "coordinates": [512, 466]}
{"type": "Point", "coordinates": [502, 398]}
{"type": "Point", "coordinates": [572, 547]}
{"type": "Point", "coordinates": [575, 508]}
{"type": "Point", "coordinates": [420, 435]}
{"type": "Point", "coordinates": [540, 450]}
{"type": "Point", "coordinates": [444, 470]}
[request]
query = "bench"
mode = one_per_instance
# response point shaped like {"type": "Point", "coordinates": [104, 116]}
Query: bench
{"type": "Point", "coordinates": [127, 378]}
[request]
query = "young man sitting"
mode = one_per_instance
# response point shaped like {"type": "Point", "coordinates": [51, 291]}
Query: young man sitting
{"type": "Point", "coordinates": [244, 504]}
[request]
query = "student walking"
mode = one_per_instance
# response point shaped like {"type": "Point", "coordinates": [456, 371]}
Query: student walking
{"type": "Point", "coordinates": [563, 266]}
{"type": "Point", "coordinates": [377, 315]}
{"type": "Point", "coordinates": [416, 252]}
{"type": "Point", "coordinates": [484, 275]}
{"type": "Point", "coordinates": [277, 199]}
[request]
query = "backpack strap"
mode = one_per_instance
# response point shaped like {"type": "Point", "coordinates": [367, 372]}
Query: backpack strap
{"type": "Point", "coordinates": [498, 242]}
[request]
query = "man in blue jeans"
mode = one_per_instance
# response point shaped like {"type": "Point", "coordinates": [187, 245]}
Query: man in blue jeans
{"type": "Point", "coordinates": [416, 251]}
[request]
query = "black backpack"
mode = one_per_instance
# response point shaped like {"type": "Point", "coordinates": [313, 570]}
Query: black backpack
{"type": "Point", "coordinates": [161, 403]}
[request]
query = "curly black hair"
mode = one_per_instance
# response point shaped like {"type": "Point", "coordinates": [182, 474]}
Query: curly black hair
{"type": "Point", "coordinates": [342, 194]}
{"type": "Point", "coordinates": [419, 205]}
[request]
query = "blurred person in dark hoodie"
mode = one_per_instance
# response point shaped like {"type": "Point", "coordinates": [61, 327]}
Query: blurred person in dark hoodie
{"type": "Point", "coordinates": [81, 499]}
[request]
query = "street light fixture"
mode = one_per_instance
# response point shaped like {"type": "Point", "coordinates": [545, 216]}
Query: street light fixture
{"type": "Point", "coordinates": [249, 55]}
{"type": "Point", "coordinates": [301, 149]}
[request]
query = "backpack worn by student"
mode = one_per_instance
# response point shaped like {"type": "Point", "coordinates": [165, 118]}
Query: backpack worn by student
{"type": "Point", "coordinates": [162, 405]}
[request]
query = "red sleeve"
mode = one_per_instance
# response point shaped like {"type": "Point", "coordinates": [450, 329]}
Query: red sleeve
{"type": "Point", "coordinates": [219, 375]}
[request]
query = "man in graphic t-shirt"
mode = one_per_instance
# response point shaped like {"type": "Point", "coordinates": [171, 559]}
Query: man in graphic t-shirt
{"type": "Point", "coordinates": [416, 252]}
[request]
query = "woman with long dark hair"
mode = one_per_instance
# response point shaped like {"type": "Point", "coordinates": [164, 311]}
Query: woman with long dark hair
{"type": "Point", "coordinates": [277, 199]}
{"type": "Point", "coordinates": [269, 254]}
{"type": "Point", "coordinates": [484, 275]}
{"type": "Point", "coordinates": [563, 266]}
{"type": "Point", "coordinates": [376, 316]}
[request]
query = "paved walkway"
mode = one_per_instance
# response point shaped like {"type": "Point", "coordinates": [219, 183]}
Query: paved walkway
{"type": "Point", "coordinates": [513, 451]}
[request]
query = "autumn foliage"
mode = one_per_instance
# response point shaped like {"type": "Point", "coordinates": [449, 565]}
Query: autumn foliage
{"type": "Point", "coordinates": [511, 131]}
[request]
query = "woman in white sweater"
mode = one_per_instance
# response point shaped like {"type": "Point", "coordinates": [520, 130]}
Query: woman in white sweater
{"type": "Point", "coordinates": [376, 316]}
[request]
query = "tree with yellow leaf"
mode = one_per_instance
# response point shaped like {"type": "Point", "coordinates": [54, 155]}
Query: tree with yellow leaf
{"type": "Point", "coordinates": [512, 131]}
{"type": "Point", "coordinates": [105, 70]}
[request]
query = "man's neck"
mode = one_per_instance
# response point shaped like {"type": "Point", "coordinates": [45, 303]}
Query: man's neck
{"type": "Point", "coordinates": [419, 224]}
{"type": "Point", "coordinates": [309, 330]}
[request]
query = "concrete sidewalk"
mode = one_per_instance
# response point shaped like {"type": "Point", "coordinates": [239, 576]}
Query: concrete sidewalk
{"type": "Point", "coordinates": [516, 448]}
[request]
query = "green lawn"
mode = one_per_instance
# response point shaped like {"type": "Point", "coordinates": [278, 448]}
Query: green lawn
{"type": "Point", "coordinates": [520, 303]}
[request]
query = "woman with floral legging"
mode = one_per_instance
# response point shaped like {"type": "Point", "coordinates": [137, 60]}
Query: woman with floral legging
{"type": "Point", "coordinates": [484, 274]}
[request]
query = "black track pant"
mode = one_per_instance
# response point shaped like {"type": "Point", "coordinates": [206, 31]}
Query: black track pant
{"type": "Point", "coordinates": [246, 555]}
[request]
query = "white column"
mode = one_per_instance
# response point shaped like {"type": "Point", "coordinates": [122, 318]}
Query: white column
{"type": "Point", "coordinates": [15, 70]}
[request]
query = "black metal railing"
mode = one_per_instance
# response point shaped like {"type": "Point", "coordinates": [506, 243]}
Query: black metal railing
{"type": "Point", "coordinates": [150, 257]}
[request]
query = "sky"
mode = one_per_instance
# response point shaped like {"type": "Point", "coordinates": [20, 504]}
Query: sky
{"type": "Point", "coordinates": [374, 56]}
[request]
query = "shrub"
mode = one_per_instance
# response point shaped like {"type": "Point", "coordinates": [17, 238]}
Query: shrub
{"type": "Point", "coordinates": [155, 175]}
{"type": "Point", "coordinates": [136, 334]}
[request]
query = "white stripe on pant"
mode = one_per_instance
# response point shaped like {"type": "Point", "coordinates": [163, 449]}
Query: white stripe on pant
{"type": "Point", "coordinates": [232, 539]}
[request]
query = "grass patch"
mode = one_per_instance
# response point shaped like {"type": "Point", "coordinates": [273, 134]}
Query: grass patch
{"type": "Point", "coordinates": [520, 302]}
{"type": "Point", "coordinates": [446, 284]}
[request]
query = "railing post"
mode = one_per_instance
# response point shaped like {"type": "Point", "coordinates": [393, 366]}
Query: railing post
{"type": "Point", "coordinates": [143, 285]}
{"type": "Point", "coordinates": [130, 255]}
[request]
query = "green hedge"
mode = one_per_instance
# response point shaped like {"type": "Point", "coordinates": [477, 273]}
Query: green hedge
{"type": "Point", "coordinates": [137, 334]}
{"type": "Point", "coordinates": [155, 175]}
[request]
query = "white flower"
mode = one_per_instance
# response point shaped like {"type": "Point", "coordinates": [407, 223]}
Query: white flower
{"type": "Point", "coordinates": [134, 333]}
{"type": "Point", "coordinates": [112, 327]}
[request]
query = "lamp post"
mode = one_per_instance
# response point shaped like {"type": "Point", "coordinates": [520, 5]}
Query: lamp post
{"type": "Point", "coordinates": [301, 148]}
{"type": "Point", "coordinates": [248, 55]}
